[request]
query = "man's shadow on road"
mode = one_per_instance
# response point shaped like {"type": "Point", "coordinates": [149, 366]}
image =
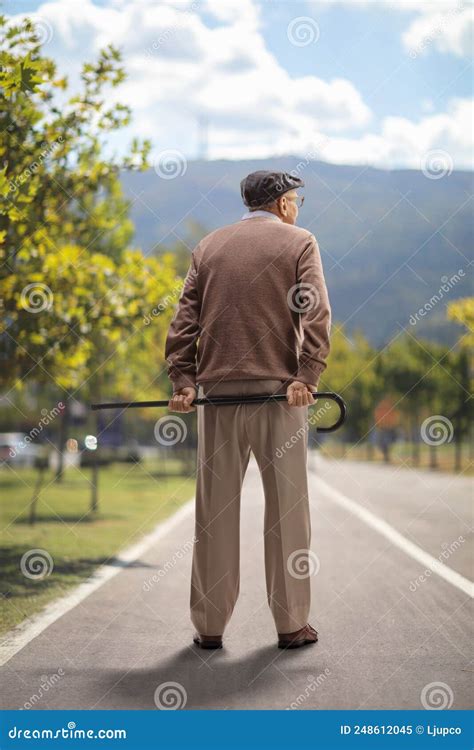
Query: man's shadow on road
{"type": "Point", "coordinates": [209, 679]}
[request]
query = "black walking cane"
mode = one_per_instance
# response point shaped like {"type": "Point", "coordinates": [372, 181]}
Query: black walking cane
{"type": "Point", "coordinates": [226, 400]}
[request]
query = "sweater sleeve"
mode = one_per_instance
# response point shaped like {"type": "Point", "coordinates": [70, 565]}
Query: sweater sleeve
{"type": "Point", "coordinates": [183, 334]}
{"type": "Point", "coordinates": [315, 315]}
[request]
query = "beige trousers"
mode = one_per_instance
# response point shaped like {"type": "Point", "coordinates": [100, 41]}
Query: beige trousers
{"type": "Point", "coordinates": [276, 433]}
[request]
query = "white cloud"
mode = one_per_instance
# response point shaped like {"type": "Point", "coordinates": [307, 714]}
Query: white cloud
{"type": "Point", "coordinates": [175, 61]}
{"type": "Point", "coordinates": [180, 70]}
{"type": "Point", "coordinates": [402, 142]}
{"type": "Point", "coordinates": [447, 25]}
{"type": "Point", "coordinates": [401, 5]}
{"type": "Point", "coordinates": [449, 31]}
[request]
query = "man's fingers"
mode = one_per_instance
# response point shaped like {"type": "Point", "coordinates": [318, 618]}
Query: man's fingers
{"type": "Point", "coordinates": [176, 403]}
{"type": "Point", "coordinates": [300, 395]}
{"type": "Point", "coordinates": [181, 403]}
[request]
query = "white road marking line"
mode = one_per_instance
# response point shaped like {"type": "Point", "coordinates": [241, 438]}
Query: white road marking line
{"type": "Point", "coordinates": [398, 540]}
{"type": "Point", "coordinates": [20, 636]}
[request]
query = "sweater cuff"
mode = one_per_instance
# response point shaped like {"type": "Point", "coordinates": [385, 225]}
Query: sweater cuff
{"type": "Point", "coordinates": [310, 375]}
{"type": "Point", "coordinates": [183, 381]}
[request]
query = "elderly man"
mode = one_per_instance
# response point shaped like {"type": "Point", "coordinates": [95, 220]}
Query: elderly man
{"type": "Point", "coordinates": [253, 317]}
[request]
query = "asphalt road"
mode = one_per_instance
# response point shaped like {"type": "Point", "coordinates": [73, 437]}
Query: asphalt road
{"type": "Point", "coordinates": [388, 638]}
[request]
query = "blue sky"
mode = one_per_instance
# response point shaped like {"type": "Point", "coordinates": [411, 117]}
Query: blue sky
{"type": "Point", "coordinates": [383, 82]}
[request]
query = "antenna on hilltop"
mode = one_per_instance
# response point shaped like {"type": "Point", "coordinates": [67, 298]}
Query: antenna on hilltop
{"type": "Point", "coordinates": [203, 138]}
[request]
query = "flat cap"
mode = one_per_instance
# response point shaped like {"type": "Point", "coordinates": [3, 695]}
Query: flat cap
{"type": "Point", "coordinates": [263, 187]}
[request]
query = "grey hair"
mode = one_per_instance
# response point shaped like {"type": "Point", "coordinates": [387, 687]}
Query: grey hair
{"type": "Point", "coordinates": [264, 206]}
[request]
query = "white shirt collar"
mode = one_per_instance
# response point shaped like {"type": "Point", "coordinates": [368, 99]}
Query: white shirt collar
{"type": "Point", "coordinates": [266, 214]}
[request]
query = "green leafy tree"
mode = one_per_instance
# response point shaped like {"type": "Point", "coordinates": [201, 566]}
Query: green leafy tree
{"type": "Point", "coordinates": [74, 294]}
{"type": "Point", "coordinates": [461, 368]}
{"type": "Point", "coordinates": [352, 374]}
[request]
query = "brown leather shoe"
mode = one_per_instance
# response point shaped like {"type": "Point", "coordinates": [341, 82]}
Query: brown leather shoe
{"type": "Point", "coordinates": [298, 638]}
{"type": "Point", "coordinates": [208, 641]}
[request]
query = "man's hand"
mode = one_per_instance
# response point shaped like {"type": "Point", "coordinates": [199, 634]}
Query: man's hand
{"type": "Point", "coordinates": [182, 399]}
{"type": "Point", "coordinates": [299, 394]}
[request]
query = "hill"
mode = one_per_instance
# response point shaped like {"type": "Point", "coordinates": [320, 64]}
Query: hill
{"type": "Point", "coordinates": [390, 239]}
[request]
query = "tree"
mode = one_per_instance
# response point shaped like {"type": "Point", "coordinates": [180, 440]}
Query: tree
{"type": "Point", "coordinates": [352, 375]}
{"type": "Point", "coordinates": [461, 368]}
{"type": "Point", "coordinates": [74, 293]}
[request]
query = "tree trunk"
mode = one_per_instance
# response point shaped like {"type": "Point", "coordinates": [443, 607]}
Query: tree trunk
{"type": "Point", "coordinates": [415, 444]}
{"type": "Point", "coordinates": [95, 470]}
{"type": "Point", "coordinates": [63, 431]}
{"type": "Point", "coordinates": [36, 493]}
{"type": "Point", "coordinates": [457, 454]}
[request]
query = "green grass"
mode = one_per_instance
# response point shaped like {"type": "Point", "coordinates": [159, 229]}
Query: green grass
{"type": "Point", "coordinates": [401, 455]}
{"type": "Point", "coordinates": [132, 500]}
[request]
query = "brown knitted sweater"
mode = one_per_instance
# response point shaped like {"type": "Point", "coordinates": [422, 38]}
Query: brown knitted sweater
{"type": "Point", "coordinates": [254, 306]}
